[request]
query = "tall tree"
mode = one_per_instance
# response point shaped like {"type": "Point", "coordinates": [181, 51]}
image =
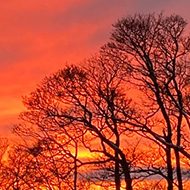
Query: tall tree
{"type": "Point", "coordinates": [85, 105]}
{"type": "Point", "coordinates": [156, 50]}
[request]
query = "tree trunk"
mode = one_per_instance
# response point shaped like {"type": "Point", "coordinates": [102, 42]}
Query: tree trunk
{"type": "Point", "coordinates": [169, 168]}
{"type": "Point", "coordinates": [117, 176]}
{"type": "Point", "coordinates": [177, 156]}
{"type": "Point", "coordinates": [75, 166]}
{"type": "Point", "coordinates": [178, 168]}
{"type": "Point", "coordinates": [126, 171]}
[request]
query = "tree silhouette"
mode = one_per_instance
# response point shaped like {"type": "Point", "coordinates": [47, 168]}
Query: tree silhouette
{"type": "Point", "coordinates": [129, 139]}
{"type": "Point", "coordinates": [156, 51]}
{"type": "Point", "coordinates": [84, 105]}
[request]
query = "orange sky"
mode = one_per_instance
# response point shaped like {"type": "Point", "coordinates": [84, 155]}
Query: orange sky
{"type": "Point", "coordinates": [38, 37]}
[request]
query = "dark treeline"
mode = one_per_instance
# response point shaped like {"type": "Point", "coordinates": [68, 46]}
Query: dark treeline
{"type": "Point", "coordinates": [128, 108]}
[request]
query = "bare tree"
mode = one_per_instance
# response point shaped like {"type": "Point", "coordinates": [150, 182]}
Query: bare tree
{"type": "Point", "coordinates": [55, 154]}
{"type": "Point", "coordinates": [156, 51]}
{"type": "Point", "coordinates": [84, 104]}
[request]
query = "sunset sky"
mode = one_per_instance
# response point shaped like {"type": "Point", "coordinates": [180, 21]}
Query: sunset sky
{"type": "Point", "coordinates": [37, 37]}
